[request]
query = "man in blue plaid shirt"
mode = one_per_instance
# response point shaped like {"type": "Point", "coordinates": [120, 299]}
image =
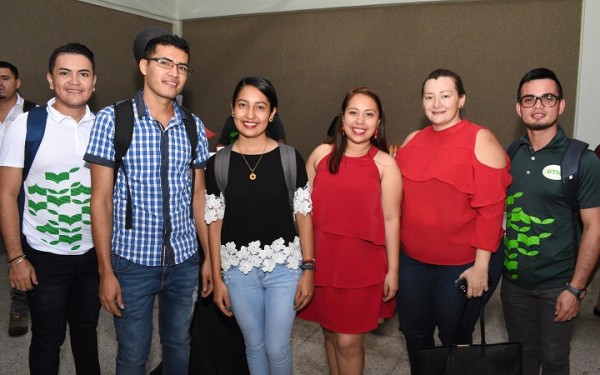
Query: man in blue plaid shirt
{"type": "Point", "coordinates": [158, 254]}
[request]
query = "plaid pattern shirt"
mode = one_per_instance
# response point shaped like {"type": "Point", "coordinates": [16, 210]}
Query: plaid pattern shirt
{"type": "Point", "coordinates": [157, 164]}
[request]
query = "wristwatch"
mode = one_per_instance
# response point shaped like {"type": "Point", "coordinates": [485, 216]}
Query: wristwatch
{"type": "Point", "coordinates": [578, 293]}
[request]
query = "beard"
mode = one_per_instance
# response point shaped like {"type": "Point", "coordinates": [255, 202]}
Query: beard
{"type": "Point", "coordinates": [538, 125]}
{"type": "Point", "coordinates": [2, 97]}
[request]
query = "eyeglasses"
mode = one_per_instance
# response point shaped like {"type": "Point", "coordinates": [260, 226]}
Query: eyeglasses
{"type": "Point", "coordinates": [548, 100]}
{"type": "Point", "coordinates": [165, 63]}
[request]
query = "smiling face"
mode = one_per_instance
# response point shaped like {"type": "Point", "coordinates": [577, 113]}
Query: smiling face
{"type": "Point", "coordinates": [360, 118]}
{"type": "Point", "coordinates": [72, 79]}
{"type": "Point", "coordinates": [8, 84]}
{"type": "Point", "coordinates": [251, 112]}
{"type": "Point", "coordinates": [441, 102]}
{"type": "Point", "coordinates": [164, 83]}
{"type": "Point", "coordinates": [539, 117]}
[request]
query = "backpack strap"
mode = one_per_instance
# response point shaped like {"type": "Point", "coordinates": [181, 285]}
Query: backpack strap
{"type": "Point", "coordinates": [192, 134]}
{"type": "Point", "coordinates": [569, 171]}
{"type": "Point", "coordinates": [569, 168]}
{"type": "Point", "coordinates": [124, 122]}
{"type": "Point", "coordinates": [27, 105]}
{"type": "Point", "coordinates": [513, 148]}
{"type": "Point", "coordinates": [288, 162]}
{"type": "Point", "coordinates": [36, 126]}
{"type": "Point", "coordinates": [222, 158]}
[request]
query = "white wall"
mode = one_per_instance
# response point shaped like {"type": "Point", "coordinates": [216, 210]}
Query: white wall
{"type": "Point", "coordinates": [587, 121]}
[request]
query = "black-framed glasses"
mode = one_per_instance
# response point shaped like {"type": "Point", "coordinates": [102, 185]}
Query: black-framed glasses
{"type": "Point", "coordinates": [548, 100]}
{"type": "Point", "coordinates": [165, 63]}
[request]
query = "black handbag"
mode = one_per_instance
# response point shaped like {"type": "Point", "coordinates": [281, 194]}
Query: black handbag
{"type": "Point", "coordinates": [485, 359]}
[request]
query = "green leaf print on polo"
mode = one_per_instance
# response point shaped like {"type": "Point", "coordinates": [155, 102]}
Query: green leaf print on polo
{"type": "Point", "coordinates": [66, 215]}
{"type": "Point", "coordinates": [524, 245]}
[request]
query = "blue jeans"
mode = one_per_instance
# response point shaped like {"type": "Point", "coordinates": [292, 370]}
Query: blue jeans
{"type": "Point", "coordinates": [427, 298]}
{"type": "Point", "coordinates": [529, 318]}
{"type": "Point", "coordinates": [263, 305]}
{"type": "Point", "coordinates": [177, 290]}
{"type": "Point", "coordinates": [67, 292]}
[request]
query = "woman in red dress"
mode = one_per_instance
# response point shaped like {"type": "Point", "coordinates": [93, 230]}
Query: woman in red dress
{"type": "Point", "coordinates": [356, 191]}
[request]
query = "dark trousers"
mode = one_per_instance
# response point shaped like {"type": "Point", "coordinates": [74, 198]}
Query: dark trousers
{"type": "Point", "coordinates": [529, 318]}
{"type": "Point", "coordinates": [67, 292]}
{"type": "Point", "coordinates": [427, 299]}
{"type": "Point", "coordinates": [18, 302]}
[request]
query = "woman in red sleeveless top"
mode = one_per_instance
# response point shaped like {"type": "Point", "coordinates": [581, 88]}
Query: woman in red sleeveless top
{"type": "Point", "coordinates": [356, 192]}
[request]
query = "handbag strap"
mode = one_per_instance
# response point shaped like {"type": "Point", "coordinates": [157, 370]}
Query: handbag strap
{"type": "Point", "coordinates": [481, 320]}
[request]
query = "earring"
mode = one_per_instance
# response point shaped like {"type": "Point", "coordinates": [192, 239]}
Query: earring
{"type": "Point", "coordinates": [376, 133]}
{"type": "Point", "coordinates": [270, 119]}
{"type": "Point", "coordinates": [232, 114]}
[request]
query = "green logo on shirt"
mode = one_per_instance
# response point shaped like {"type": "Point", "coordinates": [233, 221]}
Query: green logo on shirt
{"type": "Point", "coordinates": [64, 228]}
{"type": "Point", "coordinates": [521, 223]}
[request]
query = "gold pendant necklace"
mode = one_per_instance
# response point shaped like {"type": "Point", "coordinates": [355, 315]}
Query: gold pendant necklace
{"type": "Point", "coordinates": [252, 175]}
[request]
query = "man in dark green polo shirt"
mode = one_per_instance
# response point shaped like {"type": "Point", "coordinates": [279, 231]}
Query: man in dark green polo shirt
{"type": "Point", "coordinates": [545, 272]}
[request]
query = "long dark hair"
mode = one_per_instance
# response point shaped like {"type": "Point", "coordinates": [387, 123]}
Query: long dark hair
{"type": "Point", "coordinates": [340, 141]}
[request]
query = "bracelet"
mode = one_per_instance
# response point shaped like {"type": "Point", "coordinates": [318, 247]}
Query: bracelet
{"type": "Point", "coordinates": [15, 258]}
{"type": "Point", "coordinates": [308, 261]}
{"type": "Point", "coordinates": [16, 261]}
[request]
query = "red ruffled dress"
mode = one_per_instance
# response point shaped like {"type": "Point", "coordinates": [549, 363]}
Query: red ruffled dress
{"type": "Point", "coordinates": [349, 247]}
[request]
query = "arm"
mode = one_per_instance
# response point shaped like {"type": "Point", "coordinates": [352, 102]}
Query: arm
{"type": "Point", "coordinates": [489, 152]}
{"type": "Point", "coordinates": [306, 286]}
{"type": "Point", "coordinates": [101, 207]}
{"type": "Point", "coordinates": [567, 305]}
{"type": "Point", "coordinates": [391, 199]}
{"type": "Point", "coordinates": [220, 293]}
{"type": "Point", "coordinates": [202, 229]}
{"type": "Point", "coordinates": [22, 275]}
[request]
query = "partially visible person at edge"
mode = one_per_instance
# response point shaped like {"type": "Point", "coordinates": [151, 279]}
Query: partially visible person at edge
{"type": "Point", "coordinates": [158, 254]}
{"type": "Point", "coordinates": [229, 133]}
{"type": "Point", "coordinates": [50, 249]}
{"type": "Point", "coordinates": [455, 175]}
{"type": "Point", "coordinates": [267, 266]}
{"type": "Point", "coordinates": [546, 273]}
{"type": "Point", "coordinates": [12, 105]}
{"type": "Point", "coordinates": [356, 190]}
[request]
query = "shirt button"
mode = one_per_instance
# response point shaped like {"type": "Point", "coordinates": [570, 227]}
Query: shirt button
{"type": "Point", "coordinates": [528, 172]}
{"type": "Point", "coordinates": [533, 158]}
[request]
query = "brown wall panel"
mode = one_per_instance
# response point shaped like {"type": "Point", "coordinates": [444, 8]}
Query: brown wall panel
{"type": "Point", "coordinates": [314, 57]}
{"type": "Point", "coordinates": [32, 29]}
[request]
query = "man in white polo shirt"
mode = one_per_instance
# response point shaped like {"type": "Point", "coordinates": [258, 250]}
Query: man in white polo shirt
{"type": "Point", "coordinates": [49, 246]}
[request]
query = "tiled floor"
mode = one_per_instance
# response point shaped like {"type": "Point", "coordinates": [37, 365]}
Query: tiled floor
{"type": "Point", "coordinates": [386, 352]}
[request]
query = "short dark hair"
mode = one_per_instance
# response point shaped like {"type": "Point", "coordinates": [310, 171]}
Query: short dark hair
{"type": "Point", "coordinates": [13, 69]}
{"type": "Point", "coordinates": [72, 49]}
{"type": "Point", "coordinates": [458, 84]}
{"type": "Point", "coordinates": [261, 84]}
{"type": "Point", "coordinates": [166, 40]}
{"type": "Point", "coordinates": [539, 73]}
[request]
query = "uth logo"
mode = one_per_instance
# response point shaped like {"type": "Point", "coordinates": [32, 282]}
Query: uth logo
{"type": "Point", "coordinates": [552, 172]}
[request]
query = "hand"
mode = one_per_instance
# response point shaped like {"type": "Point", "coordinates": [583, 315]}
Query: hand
{"type": "Point", "coordinates": [221, 297]}
{"type": "Point", "coordinates": [207, 284]}
{"type": "Point", "coordinates": [477, 281]}
{"type": "Point", "coordinates": [110, 294]}
{"type": "Point", "coordinates": [390, 286]}
{"type": "Point", "coordinates": [566, 308]}
{"type": "Point", "coordinates": [22, 276]}
{"type": "Point", "coordinates": [304, 290]}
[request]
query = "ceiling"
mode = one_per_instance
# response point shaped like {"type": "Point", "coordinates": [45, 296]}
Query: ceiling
{"type": "Point", "coordinates": [180, 10]}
